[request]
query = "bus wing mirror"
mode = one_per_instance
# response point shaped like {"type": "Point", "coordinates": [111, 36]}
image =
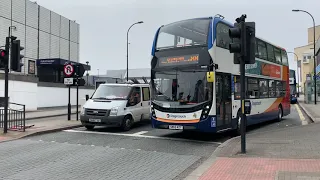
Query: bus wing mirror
{"type": "Point", "coordinates": [87, 97]}
{"type": "Point", "coordinates": [210, 76]}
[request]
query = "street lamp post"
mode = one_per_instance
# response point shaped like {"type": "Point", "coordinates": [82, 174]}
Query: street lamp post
{"type": "Point", "coordinates": [87, 62]}
{"type": "Point", "coordinates": [297, 69]}
{"type": "Point", "coordinates": [140, 22]}
{"type": "Point", "coordinates": [314, 53]}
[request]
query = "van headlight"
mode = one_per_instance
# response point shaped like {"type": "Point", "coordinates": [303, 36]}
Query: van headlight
{"type": "Point", "coordinates": [82, 111]}
{"type": "Point", "coordinates": [114, 111]}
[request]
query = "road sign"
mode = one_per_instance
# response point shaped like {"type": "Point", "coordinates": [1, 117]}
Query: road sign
{"type": "Point", "coordinates": [68, 70]}
{"type": "Point", "coordinates": [68, 81]}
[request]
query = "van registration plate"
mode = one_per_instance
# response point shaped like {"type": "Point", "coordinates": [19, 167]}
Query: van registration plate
{"type": "Point", "coordinates": [94, 120]}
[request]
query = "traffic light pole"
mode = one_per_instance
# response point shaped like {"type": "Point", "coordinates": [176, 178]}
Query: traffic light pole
{"type": "Point", "coordinates": [6, 86]}
{"type": "Point", "coordinates": [77, 98]}
{"type": "Point", "coordinates": [243, 116]}
{"type": "Point", "coordinates": [243, 87]}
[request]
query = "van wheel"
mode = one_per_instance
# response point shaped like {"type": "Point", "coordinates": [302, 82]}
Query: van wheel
{"type": "Point", "coordinates": [127, 123]}
{"type": "Point", "coordinates": [280, 113]}
{"type": "Point", "coordinates": [89, 127]}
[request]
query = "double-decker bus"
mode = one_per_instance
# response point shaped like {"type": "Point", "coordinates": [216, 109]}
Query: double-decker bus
{"type": "Point", "coordinates": [196, 86]}
{"type": "Point", "coordinates": [293, 86]}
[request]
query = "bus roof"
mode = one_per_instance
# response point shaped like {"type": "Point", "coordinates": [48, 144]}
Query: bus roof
{"type": "Point", "coordinates": [227, 22]}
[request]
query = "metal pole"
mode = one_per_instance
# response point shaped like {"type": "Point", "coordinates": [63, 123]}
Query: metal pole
{"type": "Point", "coordinates": [242, 82]}
{"type": "Point", "coordinates": [77, 98]}
{"type": "Point", "coordinates": [69, 104]}
{"type": "Point", "coordinates": [128, 53]}
{"type": "Point", "coordinates": [6, 84]}
{"type": "Point", "coordinates": [128, 47]}
{"type": "Point", "coordinates": [297, 70]}
{"type": "Point", "coordinates": [314, 61]}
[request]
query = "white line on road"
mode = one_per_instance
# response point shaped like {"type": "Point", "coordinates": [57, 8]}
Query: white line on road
{"type": "Point", "coordinates": [140, 133]}
{"type": "Point", "coordinates": [141, 136]}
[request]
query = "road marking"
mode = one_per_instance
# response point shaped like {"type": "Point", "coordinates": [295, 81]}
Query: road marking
{"type": "Point", "coordinates": [140, 133]}
{"type": "Point", "coordinates": [141, 136]}
{"type": "Point", "coordinates": [302, 118]}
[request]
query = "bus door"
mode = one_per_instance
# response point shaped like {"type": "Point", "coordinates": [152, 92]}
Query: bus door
{"type": "Point", "coordinates": [223, 101]}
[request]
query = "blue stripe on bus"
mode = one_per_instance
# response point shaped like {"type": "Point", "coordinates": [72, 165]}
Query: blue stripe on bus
{"type": "Point", "coordinates": [155, 42]}
{"type": "Point", "coordinates": [211, 36]}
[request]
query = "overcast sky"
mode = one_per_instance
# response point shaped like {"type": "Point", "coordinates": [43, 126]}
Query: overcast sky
{"type": "Point", "coordinates": [104, 24]}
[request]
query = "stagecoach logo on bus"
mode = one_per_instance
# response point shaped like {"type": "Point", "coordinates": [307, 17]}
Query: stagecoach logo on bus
{"type": "Point", "coordinates": [176, 116]}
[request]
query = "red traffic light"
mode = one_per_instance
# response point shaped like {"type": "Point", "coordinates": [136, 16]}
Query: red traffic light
{"type": "Point", "coordinates": [3, 53]}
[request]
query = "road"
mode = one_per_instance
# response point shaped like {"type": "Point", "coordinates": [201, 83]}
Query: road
{"type": "Point", "coordinates": [108, 153]}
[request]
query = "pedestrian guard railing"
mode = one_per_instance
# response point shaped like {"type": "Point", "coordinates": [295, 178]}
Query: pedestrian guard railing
{"type": "Point", "coordinates": [16, 117]}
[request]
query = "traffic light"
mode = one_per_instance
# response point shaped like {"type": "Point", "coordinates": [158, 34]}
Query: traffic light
{"type": "Point", "coordinates": [3, 58]}
{"type": "Point", "coordinates": [251, 42]}
{"type": "Point", "coordinates": [16, 56]}
{"type": "Point", "coordinates": [243, 42]}
{"type": "Point", "coordinates": [237, 46]}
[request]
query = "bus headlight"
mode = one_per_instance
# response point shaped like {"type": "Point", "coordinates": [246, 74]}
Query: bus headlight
{"type": "Point", "coordinates": [205, 112]}
{"type": "Point", "coordinates": [114, 111]}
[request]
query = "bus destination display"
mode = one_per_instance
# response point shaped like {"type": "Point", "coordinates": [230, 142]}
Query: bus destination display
{"type": "Point", "coordinates": [179, 60]}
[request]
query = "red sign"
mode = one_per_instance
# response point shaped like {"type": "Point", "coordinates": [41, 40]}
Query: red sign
{"type": "Point", "coordinates": [68, 70]}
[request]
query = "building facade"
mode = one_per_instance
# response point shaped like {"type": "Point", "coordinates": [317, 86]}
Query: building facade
{"type": "Point", "coordinates": [305, 56]}
{"type": "Point", "coordinates": [44, 34]}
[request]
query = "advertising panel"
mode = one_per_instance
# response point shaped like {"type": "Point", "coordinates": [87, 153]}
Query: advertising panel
{"type": "Point", "coordinates": [264, 69]}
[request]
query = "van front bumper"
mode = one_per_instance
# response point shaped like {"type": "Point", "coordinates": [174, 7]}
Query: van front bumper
{"type": "Point", "coordinates": [87, 120]}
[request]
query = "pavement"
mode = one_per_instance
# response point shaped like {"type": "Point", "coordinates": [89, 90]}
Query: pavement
{"type": "Point", "coordinates": [43, 121]}
{"type": "Point", "coordinates": [291, 153]}
{"type": "Point", "coordinates": [40, 126]}
{"type": "Point", "coordinates": [312, 110]}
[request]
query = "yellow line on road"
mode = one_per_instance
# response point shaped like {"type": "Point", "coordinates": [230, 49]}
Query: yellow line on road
{"type": "Point", "coordinates": [302, 118]}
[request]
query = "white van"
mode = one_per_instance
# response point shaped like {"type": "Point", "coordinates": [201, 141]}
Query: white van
{"type": "Point", "coordinates": [118, 105]}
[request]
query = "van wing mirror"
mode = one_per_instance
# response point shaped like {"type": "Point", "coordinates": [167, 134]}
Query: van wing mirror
{"type": "Point", "coordinates": [87, 97]}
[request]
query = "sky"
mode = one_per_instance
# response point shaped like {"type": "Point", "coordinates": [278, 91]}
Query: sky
{"type": "Point", "coordinates": [104, 24]}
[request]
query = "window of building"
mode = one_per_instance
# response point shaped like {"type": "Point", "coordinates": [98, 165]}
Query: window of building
{"type": "Point", "coordinates": [223, 39]}
{"type": "Point", "coordinates": [277, 54]}
{"type": "Point", "coordinates": [263, 85]}
{"type": "Point", "coordinates": [271, 56]}
{"type": "Point", "coordinates": [272, 89]}
{"type": "Point", "coordinates": [253, 88]}
{"type": "Point", "coordinates": [262, 50]}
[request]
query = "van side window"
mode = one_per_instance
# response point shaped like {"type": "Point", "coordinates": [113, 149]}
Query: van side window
{"type": "Point", "coordinates": [146, 94]}
{"type": "Point", "coordinates": [135, 96]}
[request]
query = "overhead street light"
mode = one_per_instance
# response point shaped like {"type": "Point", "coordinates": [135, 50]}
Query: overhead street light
{"type": "Point", "coordinates": [314, 53]}
{"type": "Point", "coordinates": [139, 22]}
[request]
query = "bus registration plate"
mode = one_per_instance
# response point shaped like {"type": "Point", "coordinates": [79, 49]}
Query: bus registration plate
{"type": "Point", "coordinates": [175, 127]}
